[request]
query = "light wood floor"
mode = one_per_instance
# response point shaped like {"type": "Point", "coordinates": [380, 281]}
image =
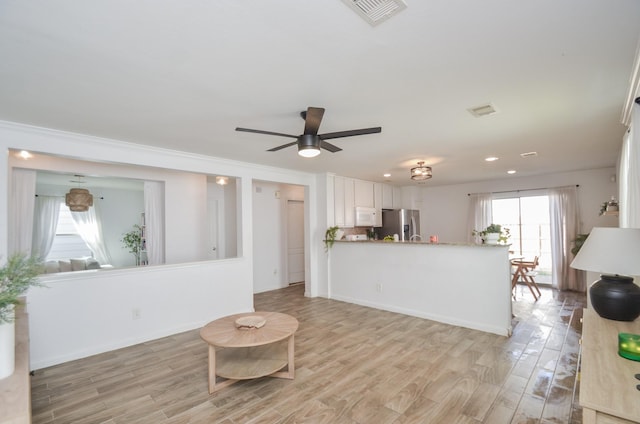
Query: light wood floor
{"type": "Point", "coordinates": [353, 365]}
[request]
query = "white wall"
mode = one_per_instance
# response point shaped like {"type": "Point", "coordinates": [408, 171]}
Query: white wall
{"type": "Point", "coordinates": [444, 209]}
{"type": "Point", "coordinates": [80, 315]}
{"type": "Point", "coordinates": [464, 285]}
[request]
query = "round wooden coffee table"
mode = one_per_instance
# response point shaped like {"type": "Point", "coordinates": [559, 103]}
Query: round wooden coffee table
{"type": "Point", "coordinates": [246, 353]}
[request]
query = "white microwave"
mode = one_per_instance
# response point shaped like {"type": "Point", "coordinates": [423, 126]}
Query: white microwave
{"type": "Point", "coordinates": [365, 217]}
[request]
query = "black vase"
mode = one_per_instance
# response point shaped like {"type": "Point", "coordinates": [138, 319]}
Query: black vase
{"type": "Point", "coordinates": [615, 297]}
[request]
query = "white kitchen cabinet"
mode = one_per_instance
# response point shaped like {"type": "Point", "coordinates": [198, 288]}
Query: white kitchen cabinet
{"type": "Point", "coordinates": [397, 198]}
{"type": "Point", "coordinates": [377, 202]}
{"type": "Point", "coordinates": [387, 196]}
{"type": "Point", "coordinates": [349, 202]}
{"type": "Point", "coordinates": [363, 193]}
{"type": "Point", "coordinates": [338, 201]}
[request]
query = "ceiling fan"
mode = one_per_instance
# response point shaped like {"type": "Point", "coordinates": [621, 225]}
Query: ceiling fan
{"type": "Point", "coordinates": [310, 142]}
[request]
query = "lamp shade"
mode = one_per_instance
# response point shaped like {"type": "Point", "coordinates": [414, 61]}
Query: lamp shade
{"type": "Point", "coordinates": [610, 251]}
{"type": "Point", "coordinates": [614, 252]}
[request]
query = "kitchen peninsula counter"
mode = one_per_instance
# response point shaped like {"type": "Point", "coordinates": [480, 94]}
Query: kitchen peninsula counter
{"type": "Point", "coordinates": [462, 284]}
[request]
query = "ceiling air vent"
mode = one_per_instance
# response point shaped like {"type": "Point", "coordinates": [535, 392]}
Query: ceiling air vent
{"type": "Point", "coordinates": [376, 11]}
{"type": "Point", "coordinates": [484, 110]}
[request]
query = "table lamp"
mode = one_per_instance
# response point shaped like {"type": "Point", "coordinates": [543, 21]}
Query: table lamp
{"type": "Point", "coordinates": [615, 253]}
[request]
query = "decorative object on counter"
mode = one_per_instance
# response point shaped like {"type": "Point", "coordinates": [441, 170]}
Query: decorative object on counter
{"type": "Point", "coordinates": [629, 346]}
{"type": "Point", "coordinates": [421, 172]}
{"type": "Point", "coordinates": [578, 242]}
{"type": "Point", "coordinates": [330, 237]}
{"type": "Point", "coordinates": [396, 237]}
{"type": "Point", "coordinates": [433, 239]}
{"type": "Point", "coordinates": [493, 234]}
{"type": "Point", "coordinates": [16, 276]}
{"type": "Point", "coordinates": [610, 207]}
{"type": "Point", "coordinates": [614, 252]}
{"type": "Point", "coordinates": [388, 238]}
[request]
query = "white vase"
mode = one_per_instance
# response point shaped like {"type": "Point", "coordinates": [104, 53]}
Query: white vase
{"type": "Point", "coordinates": [491, 238]}
{"type": "Point", "coordinates": [7, 347]}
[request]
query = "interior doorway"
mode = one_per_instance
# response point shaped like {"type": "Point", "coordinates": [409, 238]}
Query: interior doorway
{"type": "Point", "coordinates": [295, 241]}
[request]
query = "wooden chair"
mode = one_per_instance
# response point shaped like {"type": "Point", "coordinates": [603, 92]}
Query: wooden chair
{"type": "Point", "coordinates": [525, 272]}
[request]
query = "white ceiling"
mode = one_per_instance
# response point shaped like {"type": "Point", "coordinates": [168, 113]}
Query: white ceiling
{"type": "Point", "coordinates": [184, 74]}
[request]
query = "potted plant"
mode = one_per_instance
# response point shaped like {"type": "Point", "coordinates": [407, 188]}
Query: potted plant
{"type": "Point", "coordinates": [330, 237]}
{"type": "Point", "coordinates": [16, 276]}
{"type": "Point", "coordinates": [133, 241]}
{"type": "Point", "coordinates": [578, 242]}
{"type": "Point", "coordinates": [493, 234]}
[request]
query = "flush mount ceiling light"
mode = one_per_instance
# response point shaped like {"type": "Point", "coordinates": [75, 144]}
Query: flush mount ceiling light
{"type": "Point", "coordinates": [222, 180]}
{"type": "Point", "coordinates": [421, 172]}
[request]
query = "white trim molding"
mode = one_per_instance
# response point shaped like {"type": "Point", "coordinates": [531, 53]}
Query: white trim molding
{"type": "Point", "coordinates": [634, 90]}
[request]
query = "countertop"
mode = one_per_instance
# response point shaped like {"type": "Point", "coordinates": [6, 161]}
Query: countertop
{"type": "Point", "coordinates": [421, 243]}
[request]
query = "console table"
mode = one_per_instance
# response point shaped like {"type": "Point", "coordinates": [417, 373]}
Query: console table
{"type": "Point", "coordinates": [608, 391]}
{"type": "Point", "coordinates": [249, 353]}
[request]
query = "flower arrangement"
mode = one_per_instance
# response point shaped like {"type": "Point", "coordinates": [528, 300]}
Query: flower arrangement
{"type": "Point", "coordinates": [503, 233]}
{"type": "Point", "coordinates": [16, 276]}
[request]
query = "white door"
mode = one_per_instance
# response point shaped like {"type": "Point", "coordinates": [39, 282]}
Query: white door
{"type": "Point", "coordinates": [295, 241]}
{"type": "Point", "coordinates": [212, 226]}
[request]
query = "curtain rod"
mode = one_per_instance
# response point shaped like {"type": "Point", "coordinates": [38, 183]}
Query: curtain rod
{"type": "Point", "coordinates": [46, 195]}
{"type": "Point", "coordinates": [526, 189]}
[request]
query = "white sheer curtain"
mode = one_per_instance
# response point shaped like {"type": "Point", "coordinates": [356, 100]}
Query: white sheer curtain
{"type": "Point", "coordinates": [480, 213]}
{"type": "Point", "coordinates": [90, 229]}
{"type": "Point", "coordinates": [629, 174]}
{"type": "Point", "coordinates": [565, 222]}
{"type": "Point", "coordinates": [154, 221]}
{"type": "Point", "coordinates": [45, 222]}
{"type": "Point", "coordinates": [21, 207]}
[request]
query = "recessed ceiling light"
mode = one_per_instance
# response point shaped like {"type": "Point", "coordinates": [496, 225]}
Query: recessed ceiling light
{"type": "Point", "coordinates": [387, 175]}
{"type": "Point", "coordinates": [491, 159]}
{"type": "Point", "coordinates": [511, 171]}
{"type": "Point", "coordinates": [528, 154]}
{"type": "Point", "coordinates": [24, 154]}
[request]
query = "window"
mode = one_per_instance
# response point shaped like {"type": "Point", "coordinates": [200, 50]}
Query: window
{"type": "Point", "coordinates": [67, 244]}
{"type": "Point", "coordinates": [528, 221]}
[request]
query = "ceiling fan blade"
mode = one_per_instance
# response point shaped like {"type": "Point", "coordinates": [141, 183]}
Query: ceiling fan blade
{"type": "Point", "coordinates": [312, 120]}
{"type": "Point", "coordinates": [330, 147]}
{"type": "Point", "coordinates": [265, 132]}
{"type": "Point", "coordinates": [350, 133]}
{"type": "Point", "coordinates": [275, 149]}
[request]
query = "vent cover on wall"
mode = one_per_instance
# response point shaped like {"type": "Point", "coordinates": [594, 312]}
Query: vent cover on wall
{"type": "Point", "coordinates": [376, 11]}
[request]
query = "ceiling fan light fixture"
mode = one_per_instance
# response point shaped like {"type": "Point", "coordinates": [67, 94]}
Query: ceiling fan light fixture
{"type": "Point", "coordinates": [421, 172]}
{"type": "Point", "coordinates": [309, 145]}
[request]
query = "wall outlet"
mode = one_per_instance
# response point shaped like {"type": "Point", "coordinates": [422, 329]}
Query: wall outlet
{"type": "Point", "coordinates": [136, 313]}
{"type": "Point", "coordinates": [379, 287]}
{"type": "Point", "coordinates": [275, 271]}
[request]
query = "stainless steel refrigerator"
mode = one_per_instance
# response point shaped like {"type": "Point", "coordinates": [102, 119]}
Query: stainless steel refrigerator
{"type": "Point", "coordinates": [403, 222]}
